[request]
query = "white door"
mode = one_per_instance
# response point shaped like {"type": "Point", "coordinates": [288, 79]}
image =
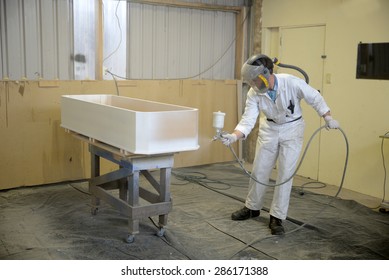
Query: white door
{"type": "Point", "coordinates": [304, 47]}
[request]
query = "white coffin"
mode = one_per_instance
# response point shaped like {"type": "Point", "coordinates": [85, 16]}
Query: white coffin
{"type": "Point", "coordinates": [134, 125]}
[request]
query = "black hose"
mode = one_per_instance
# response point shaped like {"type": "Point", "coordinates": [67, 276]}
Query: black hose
{"type": "Point", "coordinates": [276, 62]}
{"type": "Point", "coordinates": [301, 161]}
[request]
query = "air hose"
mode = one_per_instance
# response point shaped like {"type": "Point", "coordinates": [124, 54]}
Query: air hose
{"type": "Point", "coordinates": [276, 62]}
{"type": "Point", "coordinates": [301, 161]}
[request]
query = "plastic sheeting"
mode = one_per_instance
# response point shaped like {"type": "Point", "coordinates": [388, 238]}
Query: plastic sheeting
{"type": "Point", "coordinates": [54, 222]}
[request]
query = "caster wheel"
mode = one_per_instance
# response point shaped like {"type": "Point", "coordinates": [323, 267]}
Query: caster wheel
{"type": "Point", "coordinates": [130, 238]}
{"type": "Point", "coordinates": [161, 232]}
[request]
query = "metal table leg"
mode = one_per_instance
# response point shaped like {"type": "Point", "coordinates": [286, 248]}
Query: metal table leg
{"type": "Point", "coordinates": [126, 179]}
{"type": "Point", "coordinates": [95, 172]}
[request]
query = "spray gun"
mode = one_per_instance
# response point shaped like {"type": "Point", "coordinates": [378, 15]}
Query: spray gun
{"type": "Point", "coordinates": [218, 124]}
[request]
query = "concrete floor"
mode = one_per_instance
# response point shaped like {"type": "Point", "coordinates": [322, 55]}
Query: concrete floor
{"type": "Point", "coordinates": [369, 201]}
{"type": "Point", "coordinates": [54, 222]}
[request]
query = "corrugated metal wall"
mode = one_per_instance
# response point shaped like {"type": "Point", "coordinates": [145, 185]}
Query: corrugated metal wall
{"type": "Point", "coordinates": [36, 39]}
{"type": "Point", "coordinates": [170, 42]}
{"type": "Point", "coordinates": [84, 22]}
{"type": "Point", "coordinates": [157, 42]}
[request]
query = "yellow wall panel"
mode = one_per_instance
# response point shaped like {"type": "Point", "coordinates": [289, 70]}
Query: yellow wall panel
{"type": "Point", "coordinates": [36, 150]}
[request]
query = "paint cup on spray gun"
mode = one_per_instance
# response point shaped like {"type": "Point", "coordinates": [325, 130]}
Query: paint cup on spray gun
{"type": "Point", "coordinates": [218, 124]}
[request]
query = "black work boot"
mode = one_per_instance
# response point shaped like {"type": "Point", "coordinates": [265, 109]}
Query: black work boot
{"type": "Point", "coordinates": [244, 214]}
{"type": "Point", "coordinates": [275, 226]}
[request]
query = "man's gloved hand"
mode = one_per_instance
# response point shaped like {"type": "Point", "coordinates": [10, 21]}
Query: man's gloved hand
{"type": "Point", "coordinates": [331, 123]}
{"type": "Point", "coordinates": [228, 139]}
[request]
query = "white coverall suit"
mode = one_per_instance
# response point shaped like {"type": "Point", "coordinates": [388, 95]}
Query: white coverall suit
{"type": "Point", "coordinates": [280, 136]}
